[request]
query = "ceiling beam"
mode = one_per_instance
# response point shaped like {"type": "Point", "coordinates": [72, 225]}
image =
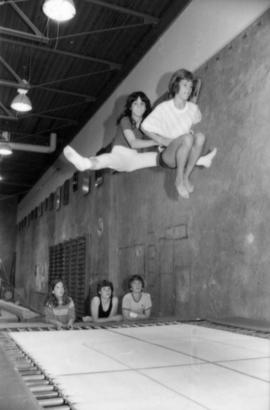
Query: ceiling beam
{"type": "Point", "coordinates": [25, 135]}
{"type": "Point", "coordinates": [125, 10]}
{"type": "Point", "coordinates": [27, 21]}
{"type": "Point", "coordinates": [23, 34]}
{"type": "Point", "coordinates": [51, 117]}
{"type": "Point", "coordinates": [5, 2]}
{"type": "Point", "coordinates": [7, 117]}
{"type": "Point", "coordinates": [100, 31]}
{"type": "Point", "coordinates": [62, 107]}
{"type": "Point", "coordinates": [74, 77]}
{"type": "Point", "coordinates": [112, 65]}
{"type": "Point", "coordinates": [57, 90]}
{"type": "Point", "coordinates": [13, 84]}
{"type": "Point", "coordinates": [37, 36]}
{"type": "Point", "coordinates": [5, 182]}
{"type": "Point", "coordinates": [27, 86]}
{"type": "Point", "coordinates": [10, 70]}
{"type": "Point", "coordinates": [8, 112]}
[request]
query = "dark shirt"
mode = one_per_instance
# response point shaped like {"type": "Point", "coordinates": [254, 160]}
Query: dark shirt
{"type": "Point", "coordinates": [103, 313]}
{"type": "Point", "coordinates": [120, 138]}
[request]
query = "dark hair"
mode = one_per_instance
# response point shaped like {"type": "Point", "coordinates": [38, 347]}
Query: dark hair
{"type": "Point", "coordinates": [130, 100]}
{"type": "Point", "coordinates": [104, 283]}
{"type": "Point", "coordinates": [135, 277]}
{"type": "Point", "coordinates": [51, 299]}
{"type": "Point", "coordinates": [179, 75]}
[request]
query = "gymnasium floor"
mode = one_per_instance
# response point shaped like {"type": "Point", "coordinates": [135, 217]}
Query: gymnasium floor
{"type": "Point", "coordinates": [154, 367]}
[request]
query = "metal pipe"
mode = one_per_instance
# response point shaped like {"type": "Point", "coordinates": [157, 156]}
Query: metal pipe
{"type": "Point", "coordinates": [35, 148]}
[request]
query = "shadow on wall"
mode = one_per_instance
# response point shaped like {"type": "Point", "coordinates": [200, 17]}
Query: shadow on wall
{"type": "Point", "coordinates": [162, 89]}
{"type": "Point", "coordinates": [110, 126]}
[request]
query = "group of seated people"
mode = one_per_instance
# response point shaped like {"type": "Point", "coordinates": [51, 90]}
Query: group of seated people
{"type": "Point", "coordinates": [136, 304]}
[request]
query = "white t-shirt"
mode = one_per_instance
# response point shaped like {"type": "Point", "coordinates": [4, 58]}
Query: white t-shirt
{"type": "Point", "coordinates": [171, 122]}
{"type": "Point", "coordinates": [141, 306]}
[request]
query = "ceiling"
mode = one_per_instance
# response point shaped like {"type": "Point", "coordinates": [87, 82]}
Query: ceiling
{"type": "Point", "coordinates": [71, 69]}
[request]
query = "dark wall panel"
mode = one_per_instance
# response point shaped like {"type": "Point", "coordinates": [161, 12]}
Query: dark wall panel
{"type": "Point", "coordinates": [8, 211]}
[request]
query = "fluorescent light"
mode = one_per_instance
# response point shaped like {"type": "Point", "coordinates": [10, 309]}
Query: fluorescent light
{"type": "Point", "coordinates": [59, 10]}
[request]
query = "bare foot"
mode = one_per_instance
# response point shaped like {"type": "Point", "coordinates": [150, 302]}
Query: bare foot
{"type": "Point", "coordinates": [188, 185]}
{"type": "Point", "coordinates": [80, 162]}
{"type": "Point", "coordinates": [206, 160]}
{"type": "Point", "coordinates": [182, 191]}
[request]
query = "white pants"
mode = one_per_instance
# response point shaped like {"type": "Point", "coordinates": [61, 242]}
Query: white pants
{"type": "Point", "coordinates": [125, 159]}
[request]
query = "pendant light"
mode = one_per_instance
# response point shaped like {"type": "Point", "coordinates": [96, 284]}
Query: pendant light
{"type": "Point", "coordinates": [21, 102]}
{"type": "Point", "coordinates": [59, 10]}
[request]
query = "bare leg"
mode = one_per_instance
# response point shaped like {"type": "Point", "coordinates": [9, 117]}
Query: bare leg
{"type": "Point", "coordinates": [182, 156]}
{"type": "Point", "coordinates": [176, 156]}
{"type": "Point", "coordinates": [195, 153]}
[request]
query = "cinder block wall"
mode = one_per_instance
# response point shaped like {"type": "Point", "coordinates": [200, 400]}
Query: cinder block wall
{"type": "Point", "coordinates": [206, 256]}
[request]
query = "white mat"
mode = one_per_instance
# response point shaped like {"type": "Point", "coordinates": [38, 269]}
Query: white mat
{"type": "Point", "coordinates": [154, 368]}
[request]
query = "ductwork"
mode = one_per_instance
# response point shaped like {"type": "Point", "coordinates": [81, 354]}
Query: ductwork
{"type": "Point", "coordinates": [35, 148]}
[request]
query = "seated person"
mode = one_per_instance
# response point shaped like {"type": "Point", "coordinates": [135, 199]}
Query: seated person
{"type": "Point", "coordinates": [136, 304]}
{"type": "Point", "coordinates": [104, 306]}
{"type": "Point", "coordinates": [59, 307]}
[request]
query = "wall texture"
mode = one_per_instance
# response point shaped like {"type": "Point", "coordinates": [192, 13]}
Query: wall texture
{"type": "Point", "coordinates": [203, 257]}
{"type": "Point", "coordinates": [8, 209]}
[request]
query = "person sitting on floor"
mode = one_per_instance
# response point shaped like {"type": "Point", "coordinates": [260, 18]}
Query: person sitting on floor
{"type": "Point", "coordinates": [136, 304]}
{"type": "Point", "coordinates": [59, 307]}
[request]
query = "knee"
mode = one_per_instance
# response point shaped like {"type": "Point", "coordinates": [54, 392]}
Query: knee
{"type": "Point", "coordinates": [199, 139]}
{"type": "Point", "coordinates": [188, 140]}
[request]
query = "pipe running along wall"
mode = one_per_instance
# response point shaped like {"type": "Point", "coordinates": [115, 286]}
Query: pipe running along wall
{"type": "Point", "coordinates": [36, 148]}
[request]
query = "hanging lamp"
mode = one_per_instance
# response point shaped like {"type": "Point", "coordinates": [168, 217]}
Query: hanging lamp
{"type": "Point", "coordinates": [21, 102]}
{"type": "Point", "coordinates": [59, 10]}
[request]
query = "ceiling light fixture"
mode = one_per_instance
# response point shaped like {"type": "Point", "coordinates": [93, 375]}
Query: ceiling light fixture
{"type": "Point", "coordinates": [59, 10]}
{"type": "Point", "coordinates": [4, 143]}
{"type": "Point", "coordinates": [21, 102]}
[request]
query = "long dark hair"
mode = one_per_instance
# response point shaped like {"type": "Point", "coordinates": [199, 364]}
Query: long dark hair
{"type": "Point", "coordinates": [51, 299]}
{"type": "Point", "coordinates": [130, 100]}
